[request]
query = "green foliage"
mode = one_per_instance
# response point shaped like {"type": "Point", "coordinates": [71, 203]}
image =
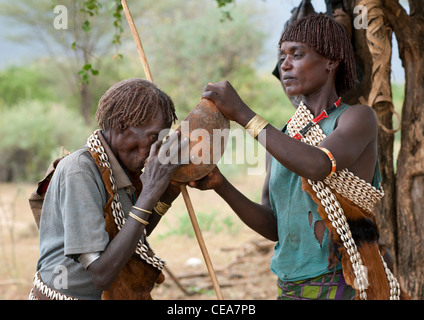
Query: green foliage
{"type": "Point", "coordinates": [41, 81]}
{"type": "Point", "coordinates": [32, 134]}
{"type": "Point", "coordinates": [223, 3]}
{"type": "Point", "coordinates": [91, 8]}
{"type": "Point", "coordinates": [186, 44]}
{"type": "Point", "coordinates": [265, 95]}
{"type": "Point", "coordinates": [116, 10]}
{"type": "Point", "coordinates": [187, 48]}
{"type": "Point", "coordinates": [398, 95]}
{"type": "Point", "coordinates": [210, 221]}
{"type": "Point", "coordinates": [191, 48]}
{"type": "Point", "coordinates": [86, 71]}
{"type": "Point", "coordinates": [225, 14]}
{"type": "Point", "coordinates": [25, 83]}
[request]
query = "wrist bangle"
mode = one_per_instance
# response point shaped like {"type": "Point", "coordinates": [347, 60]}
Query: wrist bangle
{"type": "Point", "coordinates": [142, 210]}
{"type": "Point", "coordinates": [161, 208]}
{"type": "Point", "coordinates": [332, 159]}
{"type": "Point", "coordinates": [132, 215]}
{"type": "Point", "coordinates": [255, 125]}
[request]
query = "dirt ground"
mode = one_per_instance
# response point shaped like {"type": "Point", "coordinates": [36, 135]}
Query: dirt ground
{"type": "Point", "coordinates": [240, 257]}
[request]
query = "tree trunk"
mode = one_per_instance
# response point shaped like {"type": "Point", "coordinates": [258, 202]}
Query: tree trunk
{"type": "Point", "coordinates": [409, 31]}
{"type": "Point", "coordinates": [379, 97]}
{"type": "Point", "coordinates": [385, 211]}
{"type": "Point", "coordinates": [85, 94]}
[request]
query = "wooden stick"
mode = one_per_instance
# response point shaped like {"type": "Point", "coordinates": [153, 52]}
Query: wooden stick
{"type": "Point", "coordinates": [186, 197]}
{"type": "Point", "coordinates": [201, 241]}
{"type": "Point", "coordinates": [137, 40]}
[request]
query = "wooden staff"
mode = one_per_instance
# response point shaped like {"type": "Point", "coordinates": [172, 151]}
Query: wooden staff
{"type": "Point", "coordinates": [137, 40]}
{"type": "Point", "coordinates": [183, 187]}
{"type": "Point", "coordinates": [201, 242]}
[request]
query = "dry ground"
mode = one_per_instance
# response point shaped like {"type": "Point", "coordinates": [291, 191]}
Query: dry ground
{"type": "Point", "coordinates": [240, 256]}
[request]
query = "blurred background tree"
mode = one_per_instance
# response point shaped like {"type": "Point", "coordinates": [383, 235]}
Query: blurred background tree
{"type": "Point", "coordinates": [188, 44]}
{"type": "Point", "coordinates": [72, 53]}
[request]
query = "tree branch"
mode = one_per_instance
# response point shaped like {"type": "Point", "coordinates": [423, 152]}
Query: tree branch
{"type": "Point", "coordinates": [397, 16]}
{"type": "Point", "coordinates": [401, 23]}
{"type": "Point", "coordinates": [416, 9]}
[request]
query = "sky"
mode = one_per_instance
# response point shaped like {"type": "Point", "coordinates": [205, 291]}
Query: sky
{"type": "Point", "coordinates": [277, 13]}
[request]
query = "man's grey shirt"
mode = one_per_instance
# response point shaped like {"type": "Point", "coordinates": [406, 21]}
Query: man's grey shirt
{"type": "Point", "coordinates": [72, 221]}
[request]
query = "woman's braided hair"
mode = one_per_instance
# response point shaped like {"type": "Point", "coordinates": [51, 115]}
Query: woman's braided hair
{"type": "Point", "coordinates": [133, 102]}
{"type": "Point", "coordinates": [329, 39]}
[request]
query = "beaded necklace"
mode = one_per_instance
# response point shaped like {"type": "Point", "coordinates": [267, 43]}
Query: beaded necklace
{"type": "Point", "coordinates": [349, 186]}
{"type": "Point", "coordinates": [302, 132]}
